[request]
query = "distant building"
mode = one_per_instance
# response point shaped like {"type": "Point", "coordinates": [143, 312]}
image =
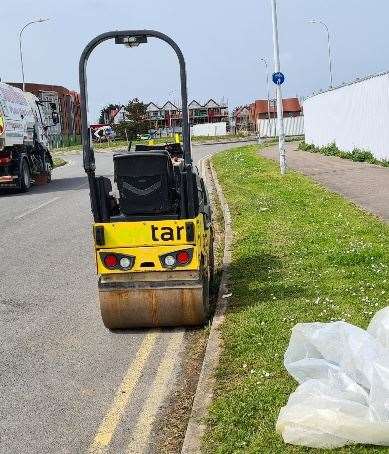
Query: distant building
{"type": "Point", "coordinates": [210, 112]}
{"type": "Point", "coordinates": [68, 107]}
{"type": "Point", "coordinates": [259, 109]}
{"type": "Point", "coordinates": [118, 115]}
{"type": "Point", "coordinates": [241, 119]}
{"type": "Point", "coordinates": [169, 116]}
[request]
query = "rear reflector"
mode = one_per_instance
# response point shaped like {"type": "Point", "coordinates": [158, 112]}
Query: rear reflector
{"type": "Point", "coordinates": [190, 232]}
{"type": "Point", "coordinates": [99, 235]}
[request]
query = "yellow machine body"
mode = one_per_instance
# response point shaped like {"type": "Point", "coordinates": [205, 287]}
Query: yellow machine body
{"type": "Point", "coordinates": [151, 294]}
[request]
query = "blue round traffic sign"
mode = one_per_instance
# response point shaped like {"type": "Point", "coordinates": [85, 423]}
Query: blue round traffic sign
{"type": "Point", "coordinates": [278, 78]}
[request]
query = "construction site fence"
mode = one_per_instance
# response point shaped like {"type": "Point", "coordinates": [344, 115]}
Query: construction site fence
{"type": "Point", "coordinates": [62, 140]}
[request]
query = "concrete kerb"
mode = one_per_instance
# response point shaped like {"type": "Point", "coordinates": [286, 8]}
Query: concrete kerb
{"type": "Point", "coordinates": [225, 142]}
{"type": "Point", "coordinates": [206, 384]}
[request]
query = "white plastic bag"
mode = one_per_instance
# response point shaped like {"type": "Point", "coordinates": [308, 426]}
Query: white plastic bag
{"type": "Point", "coordinates": [343, 397]}
{"type": "Point", "coordinates": [379, 327]}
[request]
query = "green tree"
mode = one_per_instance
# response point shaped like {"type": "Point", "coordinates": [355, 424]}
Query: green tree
{"type": "Point", "coordinates": [136, 122]}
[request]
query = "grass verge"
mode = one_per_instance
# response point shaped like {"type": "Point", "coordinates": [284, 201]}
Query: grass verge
{"type": "Point", "coordinates": [357, 155]}
{"type": "Point", "coordinates": [300, 254]}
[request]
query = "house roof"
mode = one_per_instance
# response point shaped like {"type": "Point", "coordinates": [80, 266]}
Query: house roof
{"type": "Point", "coordinates": [169, 106]}
{"type": "Point", "coordinates": [151, 107]}
{"type": "Point", "coordinates": [289, 105]}
{"type": "Point", "coordinates": [115, 112]}
{"type": "Point", "coordinates": [194, 105]}
{"type": "Point", "coordinates": [242, 110]}
{"type": "Point", "coordinates": [212, 103]}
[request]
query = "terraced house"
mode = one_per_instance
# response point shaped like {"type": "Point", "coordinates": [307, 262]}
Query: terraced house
{"type": "Point", "coordinates": [169, 116]}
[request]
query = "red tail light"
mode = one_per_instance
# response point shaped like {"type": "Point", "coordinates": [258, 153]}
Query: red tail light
{"type": "Point", "coordinates": [183, 257]}
{"type": "Point", "coordinates": [111, 261]}
{"type": "Point", "coordinates": [5, 158]}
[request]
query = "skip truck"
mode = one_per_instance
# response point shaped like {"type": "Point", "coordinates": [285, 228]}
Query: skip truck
{"type": "Point", "coordinates": [25, 157]}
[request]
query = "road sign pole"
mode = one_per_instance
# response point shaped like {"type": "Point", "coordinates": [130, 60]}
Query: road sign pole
{"type": "Point", "coordinates": [280, 119]}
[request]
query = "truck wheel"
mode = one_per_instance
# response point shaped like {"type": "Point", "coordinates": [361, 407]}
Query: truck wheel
{"type": "Point", "coordinates": [49, 170]}
{"type": "Point", "coordinates": [24, 177]}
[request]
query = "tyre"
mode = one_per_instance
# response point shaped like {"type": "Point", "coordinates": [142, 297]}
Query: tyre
{"type": "Point", "coordinates": [49, 171]}
{"type": "Point", "coordinates": [211, 259]}
{"type": "Point", "coordinates": [24, 177]}
{"type": "Point", "coordinates": [206, 305]}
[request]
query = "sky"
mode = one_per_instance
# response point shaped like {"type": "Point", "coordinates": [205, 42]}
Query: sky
{"type": "Point", "coordinates": [222, 41]}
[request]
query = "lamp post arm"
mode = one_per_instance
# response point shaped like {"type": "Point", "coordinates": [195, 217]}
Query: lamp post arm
{"type": "Point", "coordinates": [21, 48]}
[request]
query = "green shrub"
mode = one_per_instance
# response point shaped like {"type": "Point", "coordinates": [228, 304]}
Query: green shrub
{"type": "Point", "coordinates": [306, 147]}
{"type": "Point", "coordinates": [363, 156]}
{"type": "Point", "coordinates": [357, 155]}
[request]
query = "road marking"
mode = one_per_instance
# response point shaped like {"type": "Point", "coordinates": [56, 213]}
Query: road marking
{"type": "Point", "coordinates": [157, 393]}
{"type": "Point", "coordinates": [42, 205]}
{"type": "Point", "coordinates": [123, 396]}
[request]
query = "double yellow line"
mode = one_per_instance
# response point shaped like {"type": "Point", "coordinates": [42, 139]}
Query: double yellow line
{"type": "Point", "coordinates": [157, 393]}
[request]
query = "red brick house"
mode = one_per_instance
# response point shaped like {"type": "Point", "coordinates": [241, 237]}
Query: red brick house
{"type": "Point", "coordinates": [68, 103]}
{"type": "Point", "coordinates": [259, 109]}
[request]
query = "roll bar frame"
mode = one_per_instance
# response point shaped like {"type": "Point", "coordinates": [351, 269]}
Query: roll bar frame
{"type": "Point", "coordinates": [88, 153]}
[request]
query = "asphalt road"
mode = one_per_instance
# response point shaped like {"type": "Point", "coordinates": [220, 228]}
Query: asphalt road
{"type": "Point", "coordinates": [68, 385]}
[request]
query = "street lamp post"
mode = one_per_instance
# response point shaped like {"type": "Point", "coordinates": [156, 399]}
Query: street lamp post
{"type": "Point", "coordinates": [329, 47]}
{"type": "Point", "coordinates": [280, 114]}
{"type": "Point", "coordinates": [20, 46]}
{"type": "Point", "coordinates": [268, 92]}
{"type": "Point", "coordinates": [171, 125]}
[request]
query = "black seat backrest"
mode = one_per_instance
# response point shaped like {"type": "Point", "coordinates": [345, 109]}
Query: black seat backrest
{"type": "Point", "coordinates": [175, 149]}
{"type": "Point", "coordinates": [141, 147]}
{"type": "Point", "coordinates": [146, 183]}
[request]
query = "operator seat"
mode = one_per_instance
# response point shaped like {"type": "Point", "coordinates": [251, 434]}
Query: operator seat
{"type": "Point", "coordinates": [146, 182]}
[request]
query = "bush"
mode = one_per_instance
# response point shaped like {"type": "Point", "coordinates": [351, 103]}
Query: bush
{"type": "Point", "coordinates": [306, 147]}
{"type": "Point", "coordinates": [357, 155]}
{"type": "Point", "coordinates": [363, 156]}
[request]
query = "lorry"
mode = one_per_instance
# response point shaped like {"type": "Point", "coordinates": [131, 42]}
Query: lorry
{"type": "Point", "coordinates": [25, 157]}
{"type": "Point", "coordinates": [102, 133]}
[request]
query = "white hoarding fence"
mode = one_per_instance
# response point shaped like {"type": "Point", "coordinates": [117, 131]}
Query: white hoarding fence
{"type": "Point", "coordinates": [352, 116]}
{"type": "Point", "coordinates": [209, 129]}
{"type": "Point", "coordinates": [293, 126]}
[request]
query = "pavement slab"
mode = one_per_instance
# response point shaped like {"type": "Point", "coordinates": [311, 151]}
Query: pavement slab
{"type": "Point", "coordinates": [366, 185]}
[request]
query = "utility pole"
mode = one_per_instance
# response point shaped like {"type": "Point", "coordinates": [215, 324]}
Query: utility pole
{"type": "Point", "coordinates": [314, 21]}
{"type": "Point", "coordinates": [280, 114]}
{"type": "Point", "coordinates": [268, 93]}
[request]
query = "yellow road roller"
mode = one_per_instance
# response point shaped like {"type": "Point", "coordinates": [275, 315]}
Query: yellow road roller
{"type": "Point", "coordinates": [152, 224]}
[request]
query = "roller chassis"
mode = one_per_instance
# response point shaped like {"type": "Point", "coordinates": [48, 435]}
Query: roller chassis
{"type": "Point", "coordinates": [162, 213]}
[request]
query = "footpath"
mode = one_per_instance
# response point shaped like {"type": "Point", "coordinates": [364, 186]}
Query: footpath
{"type": "Point", "coordinates": [364, 184]}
